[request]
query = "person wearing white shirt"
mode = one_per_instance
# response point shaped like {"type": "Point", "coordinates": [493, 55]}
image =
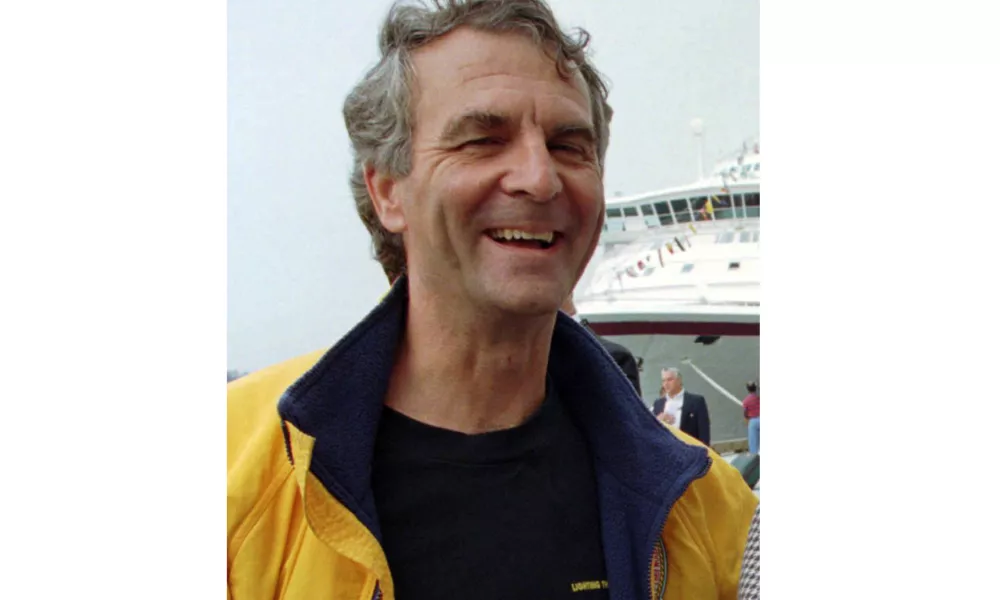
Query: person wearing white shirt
{"type": "Point", "coordinates": [682, 409]}
{"type": "Point", "coordinates": [672, 413]}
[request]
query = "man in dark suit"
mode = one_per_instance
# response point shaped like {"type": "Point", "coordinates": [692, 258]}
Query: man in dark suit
{"type": "Point", "coordinates": [626, 361]}
{"type": "Point", "coordinates": [676, 404]}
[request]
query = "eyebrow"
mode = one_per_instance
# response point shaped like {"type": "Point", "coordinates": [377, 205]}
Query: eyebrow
{"type": "Point", "coordinates": [476, 120]}
{"type": "Point", "coordinates": [480, 121]}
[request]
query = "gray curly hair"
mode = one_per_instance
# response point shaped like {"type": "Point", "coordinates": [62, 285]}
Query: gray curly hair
{"type": "Point", "coordinates": [378, 114]}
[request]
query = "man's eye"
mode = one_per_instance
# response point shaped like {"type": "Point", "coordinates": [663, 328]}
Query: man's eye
{"type": "Point", "coordinates": [566, 147]}
{"type": "Point", "coordinates": [574, 149]}
{"type": "Point", "coordinates": [486, 141]}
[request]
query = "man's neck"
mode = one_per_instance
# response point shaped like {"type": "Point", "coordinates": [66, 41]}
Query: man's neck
{"type": "Point", "coordinates": [468, 373]}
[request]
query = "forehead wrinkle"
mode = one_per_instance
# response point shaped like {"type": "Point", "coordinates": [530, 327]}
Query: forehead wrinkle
{"type": "Point", "coordinates": [541, 73]}
{"type": "Point", "coordinates": [576, 83]}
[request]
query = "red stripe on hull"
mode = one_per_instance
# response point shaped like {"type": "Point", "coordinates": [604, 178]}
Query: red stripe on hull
{"type": "Point", "coordinates": [675, 328]}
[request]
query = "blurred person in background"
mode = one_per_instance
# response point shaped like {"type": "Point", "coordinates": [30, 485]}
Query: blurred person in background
{"type": "Point", "coordinates": [751, 412]}
{"type": "Point", "coordinates": [680, 408]}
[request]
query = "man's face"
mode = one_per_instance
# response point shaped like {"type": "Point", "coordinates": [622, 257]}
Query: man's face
{"type": "Point", "coordinates": [502, 147]}
{"type": "Point", "coordinates": [671, 384]}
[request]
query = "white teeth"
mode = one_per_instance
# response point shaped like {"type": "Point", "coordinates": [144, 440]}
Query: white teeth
{"type": "Point", "coordinates": [517, 234]}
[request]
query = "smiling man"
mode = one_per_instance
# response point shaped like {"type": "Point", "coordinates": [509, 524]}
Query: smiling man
{"type": "Point", "coordinates": [466, 439]}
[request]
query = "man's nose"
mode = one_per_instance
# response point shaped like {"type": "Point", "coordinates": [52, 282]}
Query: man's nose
{"type": "Point", "coordinates": [533, 173]}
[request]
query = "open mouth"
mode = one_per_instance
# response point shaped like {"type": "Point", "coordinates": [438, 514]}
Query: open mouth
{"type": "Point", "coordinates": [524, 239]}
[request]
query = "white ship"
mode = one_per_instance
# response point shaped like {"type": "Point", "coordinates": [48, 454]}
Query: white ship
{"type": "Point", "coordinates": [676, 280]}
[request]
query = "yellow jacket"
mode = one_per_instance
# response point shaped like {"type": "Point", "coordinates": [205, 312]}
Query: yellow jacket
{"type": "Point", "coordinates": [675, 516]}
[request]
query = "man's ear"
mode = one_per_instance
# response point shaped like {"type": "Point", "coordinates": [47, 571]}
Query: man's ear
{"type": "Point", "coordinates": [386, 197]}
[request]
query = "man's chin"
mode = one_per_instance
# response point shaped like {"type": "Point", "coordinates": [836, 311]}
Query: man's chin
{"type": "Point", "coordinates": [530, 302]}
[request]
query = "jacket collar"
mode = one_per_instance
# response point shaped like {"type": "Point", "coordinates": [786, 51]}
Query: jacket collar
{"type": "Point", "coordinates": [339, 402]}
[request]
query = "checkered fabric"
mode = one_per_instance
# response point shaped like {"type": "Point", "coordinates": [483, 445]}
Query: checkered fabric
{"type": "Point", "coordinates": [750, 575]}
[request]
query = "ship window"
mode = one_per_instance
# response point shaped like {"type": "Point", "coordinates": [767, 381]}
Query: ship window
{"type": "Point", "coordinates": [614, 221]}
{"type": "Point", "coordinates": [746, 236]}
{"type": "Point", "coordinates": [753, 199]}
{"type": "Point", "coordinates": [725, 238]}
{"type": "Point", "coordinates": [647, 213]}
{"type": "Point", "coordinates": [698, 205]}
{"type": "Point", "coordinates": [738, 208]}
{"type": "Point", "coordinates": [630, 211]}
{"type": "Point", "coordinates": [733, 266]}
{"type": "Point", "coordinates": [723, 207]}
{"type": "Point", "coordinates": [664, 213]}
{"type": "Point", "coordinates": [756, 236]}
{"type": "Point", "coordinates": [687, 268]}
{"type": "Point", "coordinates": [681, 210]}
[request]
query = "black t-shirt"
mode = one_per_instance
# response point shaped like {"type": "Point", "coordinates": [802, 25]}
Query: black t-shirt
{"type": "Point", "coordinates": [507, 514]}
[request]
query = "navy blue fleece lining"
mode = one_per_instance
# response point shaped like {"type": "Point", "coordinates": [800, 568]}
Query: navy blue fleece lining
{"type": "Point", "coordinates": [339, 402]}
{"type": "Point", "coordinates": [640, 467]}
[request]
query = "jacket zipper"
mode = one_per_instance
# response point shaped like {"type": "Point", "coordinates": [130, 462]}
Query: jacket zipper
{"type": "Point", "coordinates": [659, 535]}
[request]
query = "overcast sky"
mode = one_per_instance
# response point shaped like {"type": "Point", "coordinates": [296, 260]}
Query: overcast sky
{"type": "Point", "coordinates": [300, 267]}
